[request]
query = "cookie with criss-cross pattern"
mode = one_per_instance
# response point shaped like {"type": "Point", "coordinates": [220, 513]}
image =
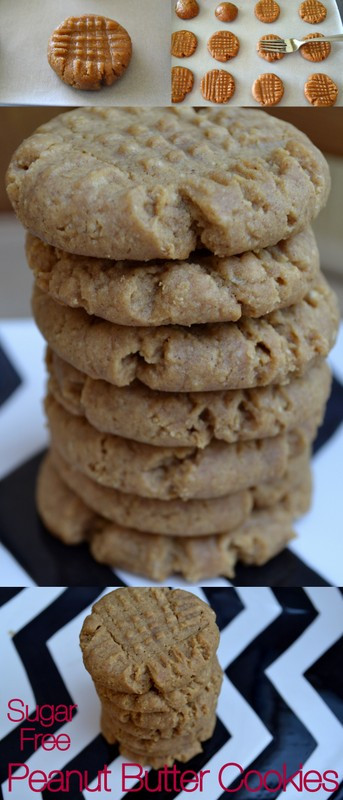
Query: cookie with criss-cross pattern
{"type": "Point", "coordinates": [268, 89]}
{"type": "Point", "coordinates": [267, 10]}
{"type": "Point", "coordinates": [223, 45]}
{"type": "Point", "coordinates": [312, 11]}
{"type": "Point", "coordinates": [315, 51]}
{"type": "Point", "coordinates": [90, 51]}
{"type": "Point", "coordinates": [184, 44]}
{"type": "Point", "coordinates": [136, 639]}
{"type": "Point", "coordinates": [218, 86]}
{"type": "Point", "coordinates": [148, 183]}
{"type": "Point", "coordinates": [182, 83]}
{"type": "Point", "coordinates": [321, 90]}
{"type": "Point", "coordinates": [268, 55]}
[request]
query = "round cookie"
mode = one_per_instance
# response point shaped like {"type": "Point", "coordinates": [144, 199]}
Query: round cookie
{"type": "Point", "coordinates": [182, 83]}
{"type": "Point", "coordinates": [320, 90]}
{"type": "Point", "coordinates": [134, 192]}
{"type": "Point", "coordinates": [263, 535]}
{"type": "Point", "coordinates": [268, 55]}
{"type": "Point", "coordinates": [201, 289]}
{"type": "Point", "coordinates": [159, 517]}
{"type": "Point", "coordinates": [223, 45]}
{"type": "Point", "coordinates": [170, 719]}
{"type": "Point", "coordinates": [226, 12]}
{"type": "Point", "coordinates": [90, 51]}
{"type": "Point", "coordinates": [184, 44]}
{"type": "Point", "coordinates": [161, 472]}
{"type": "Point", "coordinates": [268, 89]}
{"type": "Point", "coordinates": [155, 744]}
{"type": "Point", "coordinates": [187, 9]}
{"type": "Point", "coordinates": [218, 86]}
{"type": "Point", "coordinates": [267, 10]}
{"type": "Point", "coordinates": [137, 638]}
{"type": "Point", "coordinates": [312, 11]}
{"type": "Point", "coordinates": [174, 517]}
{"type": "Point", "coordinates": [153, 702]}
{"type": "Point", "coordinates": [158, 754]}
{"type": "Point", "coordinates": [315, 51]}
{"type": "Point", "coordinates": [225, 355]}
{"type": "Point", "coordinates": [168, 419]}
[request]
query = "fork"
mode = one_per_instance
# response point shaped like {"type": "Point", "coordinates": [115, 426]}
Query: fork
{"type": "Point", "coordinates": [292, 45]}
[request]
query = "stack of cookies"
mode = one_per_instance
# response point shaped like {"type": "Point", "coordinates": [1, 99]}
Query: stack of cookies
{"type": "Point", "coordinates": [152, 656]}
{"type": "Point", "coordinates": [178, 288]}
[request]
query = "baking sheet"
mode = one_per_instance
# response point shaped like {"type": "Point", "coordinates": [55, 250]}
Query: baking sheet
{"type": "Point", "coordinates": [293, 69]}
{"type": "Point", "coordinates": [281, 700]}
{"type": "Point", "coordinates": [26, 77]}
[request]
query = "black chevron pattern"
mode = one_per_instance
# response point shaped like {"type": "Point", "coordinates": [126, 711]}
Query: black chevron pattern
{"type": "Point", "coordinates": [248, 675]}
{"type": "Point", "coordinates": [9, 378]}
{"type": "Point", "coordinates": [284, 617]}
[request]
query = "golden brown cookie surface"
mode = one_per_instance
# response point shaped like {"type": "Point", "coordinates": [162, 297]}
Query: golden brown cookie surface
{"type": "Point", "coordinates": [90, 51]}
{"type": "Point", "coordinates": [268, 55]}
{"type": "Point", "coordinates": [267, 10]}
{"type": "Point", "coordinates": [184, 44]}
{"type": "Point", "coordinates": [312, 11]}
{"type": "Point", "coordinates": [267, 89]}
{"type": "Point", "coordinates": [187, 9]}
{"type": "Point", "coordinates": [226, 12]}
{"type": "Point", "coordinates": [137, 639]}
{"type": "Point", "coordinates": [223, 45]}
{"type": "Point", "coordinates": [182, 83]}
{"type": "Point", "coordinates": [218, 86]}
{"type": "Point", "coordinates": [315, 51]}
{"type": "Point", "coordinates": [320, 90]}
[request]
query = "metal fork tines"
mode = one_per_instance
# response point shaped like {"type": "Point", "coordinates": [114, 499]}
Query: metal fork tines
{"type": "Point", "coordinates": [279, 45]}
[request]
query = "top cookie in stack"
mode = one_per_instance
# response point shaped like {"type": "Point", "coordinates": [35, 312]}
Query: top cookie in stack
{"type": "Point", "coordinates": [179, 290]}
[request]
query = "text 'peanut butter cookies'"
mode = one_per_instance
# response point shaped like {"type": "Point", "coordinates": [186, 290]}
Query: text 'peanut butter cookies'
{"type": "Point", "coordinates": [199, 290]}
{"type": "Point", "coordinates": [156, 183]}
{"type": "Point", "coordinates": [182, 83]}
{"type": "Point", "coordinates": [320, 90]}
{"type": "Point", "coordinates": [224, 355]}
{"type": "Point", "coordinates": [268, 89]}
{"type": "Point", "coordinates": [173, 517]}
{"type": "Point", "coordinates": [170, 419]}
{"type": "Point", "coordinates": [223, 45]}
{"type": "Point", "coordinates": [267, 10]}
{"type": "Point", "coordinates": [218, 86]}
{"type": "Point", "coordinates": [184, 44]}
{"type": "Point", "coordinates": [264, 534]}
{"type": "Point", "coordinates": [89, 52]}
{"type": "Point", "coordinates": [315, 51]}
{"type": "Point", "coordinates": [312, 11]}
{"type": "Point", "coordinates": [269, 55]}
{"type": "Point", "coordinates": [138, 639]}
{"type": "Point", "coordinates": [226, 12]}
